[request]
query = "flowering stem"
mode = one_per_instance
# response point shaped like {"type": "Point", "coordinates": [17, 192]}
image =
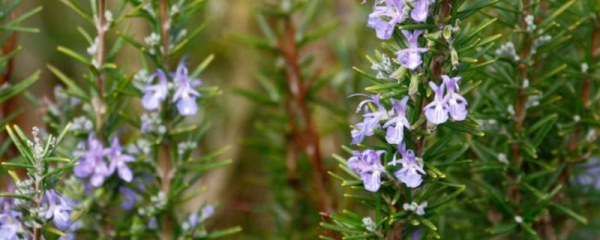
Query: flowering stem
{"type": "Point", "coordinates": [297, 108]}
{"type": "Point", "coordinates": [37, 233]}
{"type": "Point", "coordinates": [520, 110]}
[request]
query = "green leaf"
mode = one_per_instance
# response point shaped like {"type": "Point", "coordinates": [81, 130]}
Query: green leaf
{"type": "Point", "coordinates": [464, 127]}
{"type": "Point", "coordinates": [502, 229]}
{"type": "Point", "coordinates": [569, 213]}
{"type": "Point", "coordinates": [557, 12]}
{"type": "Point", "coordinates": [544, 126]}
{"type": "Point", "coordinates": [55, 231]}
{"type": "Point", "coordinates": [474, 8]}
{"type": "Point", "coordinates": [13, 195]}
{"type": "Point", "coordinates": [17, 165]}
{"type": "Point", "coordinates": [72, 87]}
{"type": "Point", "coordinates": [224, 233]}
{"type": "Point", "coordinates": [13, 90]}
{"type": "Point", "coordinates": [427, 223]}
{"type": "Point", "coordinates": [74, 55]}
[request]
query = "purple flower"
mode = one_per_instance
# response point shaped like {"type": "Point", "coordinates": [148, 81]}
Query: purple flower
{"type": "Point", "coordinates": [437, 111]}
{"type": "Point", "coordinates": [129, 198]}
{"type": "Point", "coordinates": [10, 224]}
{"type": "Point", "coordinates": [371, 119]}
{"type": "Point", "coordinates": [395, 126]}
{"type": "Point", "coordinates": [411, 57]}
{"type": "Point", "coordinates": [118, 161]}
{"type": "Point", "coordinates": [155, 94]}
{"type": "Point", "coordinates": [185, 95]}
{"type": "Point", "coordinates": [152, 223]}
{"type": "Point", "coordinates": [91, 164]}
{"type": "Point", "coordinates": [416, 235]}
{"type": "Point", "coordinates": [207, 212]}
{"type": "Point", "coordinates": [71, 232]}
{"type": "Point", "coordinates": [588, 174]}
{"type": "Point", "coordinates": [451, 104]}
{"type": "Point", "coordinates": [412, 168]}
{"type": "Point", "coordinates": [421, 10]}
{"type": "Point", "coordinates": [58, 209]}
{"type": "Point", "coordinates": [457, 104]}
{"type": "Point", "coordinates": [368, 165]}
{"type": "Point", "coordinates": [386, 14]}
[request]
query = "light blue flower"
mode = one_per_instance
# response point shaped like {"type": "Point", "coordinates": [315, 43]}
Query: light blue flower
{"type": "Point", "coordinates": [155, 94]}
{"type": "Point", "coordinates": [185, 94]}
{"type": "Point", "coordinates": [368, 165]}
{"type": "Point", "coordinates": [410, 57]}
{"type": "Point", "coordinates": [386, 14]}
{"type": "Point", "coordinates": [395, 126]}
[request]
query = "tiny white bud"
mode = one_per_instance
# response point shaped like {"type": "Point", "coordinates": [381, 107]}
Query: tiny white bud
{"type": "Point", "coordinates": [518, 219]}
{"type": "Point", "coordinates": [526, 83]}
{"type": "Point", "coordinates": [502, 158]}
{"type": "Point", "coordinates": [584, 67]}
{"type": "Point", "coordinates": [511, 110]}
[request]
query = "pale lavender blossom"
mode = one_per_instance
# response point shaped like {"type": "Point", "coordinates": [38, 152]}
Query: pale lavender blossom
{"type": "Point", "coordinates": [457, 104]}
{"type": "Point", "coordinates": [118, 161]}
{"type": "Point", "coordinates": [58, 209]}
{"type": "Point", "coordinates": [370, 121]}
{"type": "Point", "coordinates": [588, 174]}
{"type": "Point", "coordinates": [395, 126]}
{"type": "Point", "coordinates": [130, 197]}
{"type": "Point", "coordinates": [71, 231]}
{"type": "Point", "coordinates": [368, 165]}
{"type": "Point", "coordinates": [451, 104]}
{"type": "Point", "coordinates": [416, 235]}
{"type": "Point", "coordinates": [155, 94]}
{"type": "Point", "coordinates": [10, 224]}
{"type": "Point", "coordinates": [421, 10]}
{"type": "Point", "coordinates": [412, 168]}
{"type": "Point", "coordinates": [152, 223]}
{"type": "Point", "coordinates": [386, 14]}
{"type": "Point", "coordinates": [207, 212]}
{"type": "Point", "coordinates": [92, 164]}
{"type": "Point", "coordinates": [437, 111]}
{"type": "Point", "coordinates": [185, 94]}
{"type": "Point", "coordinates": [410, 57]}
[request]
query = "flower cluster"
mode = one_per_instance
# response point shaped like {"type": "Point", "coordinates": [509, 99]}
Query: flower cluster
{"type": "Point", "coordinates": [389, 13]}
{"type": "Point", "coordinates": [184, 97]}
{"type": "Point", "coordinates": [93, 165]}
{"type": "Point", "coordinates": [447, 102]}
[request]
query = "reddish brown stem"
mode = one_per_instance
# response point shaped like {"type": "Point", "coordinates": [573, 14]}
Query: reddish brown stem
{"type": "Point", "coordinates": [520, 101]}
{"type": "Point", "coordinates": [303, 132]}
{"type": "Point", "coordinates": [165, 157]}
{"type": "Point", "coordinates": [8, 47]}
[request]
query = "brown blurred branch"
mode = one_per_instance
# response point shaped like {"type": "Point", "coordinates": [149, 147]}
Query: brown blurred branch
{"type": "Point", "coordinates": [9, 46]}
{"type": "Point", "coordinates": [164, 157]}
{"type": "Point", "coordinates": [100, 54]}
{"type": "Point", "coordinates": [520, 101]}
{"type": "Point", "coordinates": [303, 133]}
